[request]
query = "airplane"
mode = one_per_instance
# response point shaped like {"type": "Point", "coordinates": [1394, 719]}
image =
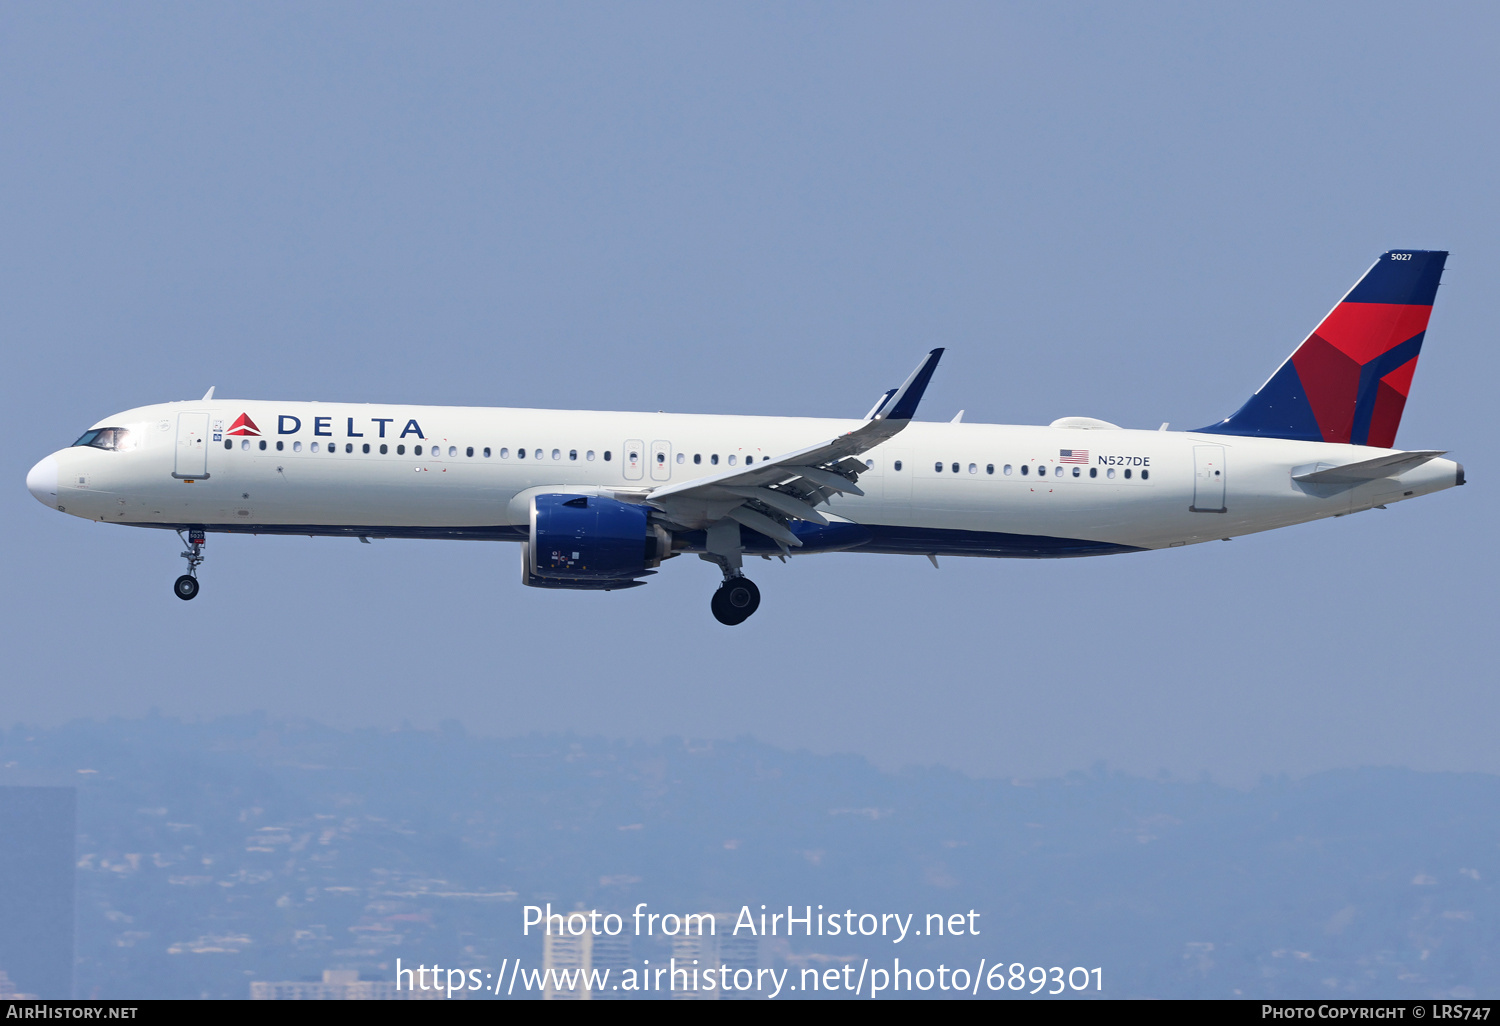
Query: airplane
{"type": "Point", "coordinates": [599, 501]}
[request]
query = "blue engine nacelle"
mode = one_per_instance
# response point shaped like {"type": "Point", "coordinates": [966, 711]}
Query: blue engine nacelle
{"type": "Point", "coordinates": [589, 543]}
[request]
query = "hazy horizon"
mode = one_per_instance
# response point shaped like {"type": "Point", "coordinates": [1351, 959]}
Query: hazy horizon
{"type": "Point", "coordinates": [1133, 214]}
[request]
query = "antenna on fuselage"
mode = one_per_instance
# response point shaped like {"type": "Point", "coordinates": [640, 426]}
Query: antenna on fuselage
{"type": "Point", "coordinates": [208, 395]}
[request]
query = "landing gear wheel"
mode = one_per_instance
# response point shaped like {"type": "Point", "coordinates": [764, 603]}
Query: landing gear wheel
{"type": "Point", "coordinates": [186, 586]}
{"type": "Point", "coordinates": [735, 601]}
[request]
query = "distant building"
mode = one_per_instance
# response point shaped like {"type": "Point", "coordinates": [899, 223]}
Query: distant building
{"type": "Point", "coordinates": [8, 990]}
{"type": "Point", "coordinates": [37, 854]}
{"type": "Point", "coordinates": [737, 953]}
{"type": "Point", "coordinates": [721, 950]}
{"type": "Point", "coordinates": [612, 955]}
{"type": "Point", "coordinates": [341, 985]}
{"type": "Point", "coordinates": [582, 959]}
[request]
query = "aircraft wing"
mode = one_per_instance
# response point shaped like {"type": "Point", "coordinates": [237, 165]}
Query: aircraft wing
{"type": "Point", "coordinates": [764, 495]}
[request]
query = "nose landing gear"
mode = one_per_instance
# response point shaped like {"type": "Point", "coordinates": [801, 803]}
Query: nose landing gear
{"type": "Point", "coordinates": [735, 601]}
{"type": "Point", "coordinates": [186, 586]}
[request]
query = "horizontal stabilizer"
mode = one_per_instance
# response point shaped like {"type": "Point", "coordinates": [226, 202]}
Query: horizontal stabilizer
{"type": "Point", "coordinates": [1393, 465]}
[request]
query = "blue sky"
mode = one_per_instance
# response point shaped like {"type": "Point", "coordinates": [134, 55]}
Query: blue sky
{"type": "Point", "coordinates": [1128, 212]}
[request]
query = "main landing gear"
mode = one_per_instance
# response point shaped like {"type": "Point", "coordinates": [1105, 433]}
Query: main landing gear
{"type": "Point", "coordinates": [186, 586]}
{"type": "Point", "coordinates": [735, 601]}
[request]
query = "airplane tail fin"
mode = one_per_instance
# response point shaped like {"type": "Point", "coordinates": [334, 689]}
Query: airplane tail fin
{"type": "Point", "coordinates": [1348, 381]}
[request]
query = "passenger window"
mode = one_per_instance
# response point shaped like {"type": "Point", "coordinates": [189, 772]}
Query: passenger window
{"type": "Point", "coordinates": [732, 459]}
{"type": "Point", "coordinates": [279, 445]}
{"type": "Point", "coordinates": [697, 457]}
{"type": "Point", "coordinates": [1077, 471]}
{"type": "Point", "coordinates": [296, 446]}
{"type": "Point", "coordinates": [681, 458]}
{"type": "Point", "coordinates": [1127, 473]}
{"type": "Point", "coordinates": [749, 460]}
{"type": "Point", "coordinates": [469, 451]}
{"type": "Point", "coordinates": [937, 468]}
{"type": "Point", "coordinates": [262, 445]}
{"type": "Point", "coordinates": [349, 447]}
{"type": "Point", "coordinates": [573, 454]}
{"type": "Point", "coordinates": [589, 455]}
{"type": "Point", "coordinates": [557, 454]}
{"type": "Point", "coordinates": [1057, 472]}
{"type": "Point", "coordinates": [384, 449]}
{"type": "Point", "coordinates": [1025, 470]}
{"type": "Point", "coordinates": [1110, 473]}
{"type": "Point", "coordinates": [245, 445]}
{"type": "Point", "coordinates": [896, 465]}
{"type": "Point", "coordinates": [1093, 472]}
{"type": "Point", "coordinates": [400, 450]}
{"type": "Point", "coordinates": [974, 468]}
{"type": "Point", "coordinates": [228, 444]}
{"type": "Point", "coordinates": [365, 447]}
{"type": "Point", "coordinates": [989, 468]}
{"type": "Point", "coordinates": [714, 459]}
{"type": "Point", "coordinates": [1146, 474]}
{"type": "Point", "coordinates": [661, 458]}
{"type": "Point", "coordinates": [486, 452]}
{"type": "Point", "coordinates": [416, 449]}
{"type": "Point", "coordinates": [538, 454]}
{"type": "Point", "coordinates": [607, 456]}
{"type": "Point", "coordinates": [314, 447]}
{"type": "Point", "coordinates": [955, 468]}
{"type": "Point", "coordinates": [869, 464]}
{"type": "Point", "coordinates": [1006, 470]}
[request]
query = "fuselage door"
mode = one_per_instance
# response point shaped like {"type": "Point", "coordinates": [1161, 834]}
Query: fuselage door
{"type": "Point", "coordinates": [192, 446]}
{"type": "Point", "coordinates": [1208, 479]}
{"type": "Point", "coordinates": [633, 459]}
{"type": "Point", "coordinates": [661, 461]}
{"type": "Point", "coordinates": [898, 477]}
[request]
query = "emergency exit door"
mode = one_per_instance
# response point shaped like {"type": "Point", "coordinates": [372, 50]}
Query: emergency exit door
{"type": "Point", "coordinates": [192, 446]}
{"type": "Point", "coordinates": [1208, 479]}
{"type": "Point", "coordinates": [661, 461]}
{"type": "Point", "coordinates": [633, 459]}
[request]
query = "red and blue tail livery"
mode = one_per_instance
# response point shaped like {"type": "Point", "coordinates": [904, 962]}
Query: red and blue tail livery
{"type": "Point", "coordinates": [1349, 380]}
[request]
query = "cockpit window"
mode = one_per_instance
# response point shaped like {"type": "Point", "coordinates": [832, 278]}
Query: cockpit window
{"type": "Point", "coordinates": [111, 438]}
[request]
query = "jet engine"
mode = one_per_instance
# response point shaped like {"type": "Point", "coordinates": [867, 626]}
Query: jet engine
{"type": "Point", "coordinates": [590, 543]}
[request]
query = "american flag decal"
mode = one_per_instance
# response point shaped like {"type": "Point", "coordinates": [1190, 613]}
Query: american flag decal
{"type": "Point", "coordinates": [1072, 455]}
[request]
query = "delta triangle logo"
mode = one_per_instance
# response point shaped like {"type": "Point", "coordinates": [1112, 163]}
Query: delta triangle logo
{"type": "Point", "coordinates": [243, 426]}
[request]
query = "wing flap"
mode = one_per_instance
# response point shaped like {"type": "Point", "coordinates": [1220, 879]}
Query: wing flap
{"type": "Point", "coordinates": [782, 502]}
{"type": "Point", "coordinates": [765, 525]}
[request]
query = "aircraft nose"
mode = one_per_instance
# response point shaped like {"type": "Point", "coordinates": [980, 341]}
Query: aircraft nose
{"type": "Point", "coordinates": [41, 481]}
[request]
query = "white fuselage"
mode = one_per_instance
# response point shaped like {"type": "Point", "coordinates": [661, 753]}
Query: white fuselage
{"type": "Point", "coordinates": [974, 489]}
